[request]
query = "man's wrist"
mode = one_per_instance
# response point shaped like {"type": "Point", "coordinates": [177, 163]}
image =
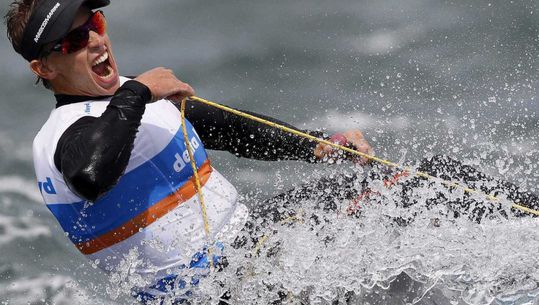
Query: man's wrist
{"type": "Point", "coordinates": [316, 147]}
{"type": "Point", "coordinates": [139, 89]}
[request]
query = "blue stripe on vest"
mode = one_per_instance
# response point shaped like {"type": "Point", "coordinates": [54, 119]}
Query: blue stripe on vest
{"type": "Point", "coordinates": [135, 192]}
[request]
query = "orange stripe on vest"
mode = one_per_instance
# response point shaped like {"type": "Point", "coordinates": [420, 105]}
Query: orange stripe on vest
{"type": "Point", "coordinates": [149, 216]}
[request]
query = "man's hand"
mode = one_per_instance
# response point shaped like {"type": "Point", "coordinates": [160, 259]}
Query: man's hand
{"type": "Point", "coordinates": [164, 84]}
{"type": "Point", "coordinates": [353, 139]}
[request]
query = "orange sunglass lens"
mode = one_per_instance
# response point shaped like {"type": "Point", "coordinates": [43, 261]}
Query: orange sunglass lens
{"type": "Point", "coordinates": [99, 23]}
{"type": "Point", "coordinates": [78, 38]}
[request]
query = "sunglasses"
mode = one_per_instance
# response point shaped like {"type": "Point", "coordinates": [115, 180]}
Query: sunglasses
{"type": "Point", "coordinates": [77, 39]}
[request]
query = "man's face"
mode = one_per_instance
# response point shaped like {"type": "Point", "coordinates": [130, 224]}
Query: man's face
{"type": "Point", "coordinates": [91, 71]}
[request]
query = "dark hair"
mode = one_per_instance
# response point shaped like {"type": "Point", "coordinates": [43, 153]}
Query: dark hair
{"type": "Point", "coordinates": [16, 19]}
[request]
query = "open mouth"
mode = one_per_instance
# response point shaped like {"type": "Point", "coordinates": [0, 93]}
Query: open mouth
{"type": "Point", "coordinates": [101, 66]}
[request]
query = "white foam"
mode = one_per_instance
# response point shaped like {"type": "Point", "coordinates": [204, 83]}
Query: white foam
{"type": "Point", "coordinates": [250, 176]}
{"type": "Point", "coordinates": [460, 260]}
{"type": "Point", "coordinates": [46, 288]}
{"type": "Point", "coordinates": [335, 120]}
{"type": "Point", "coordinates": [385, 41]}
{"type": "Point", "coordinates": [18, 185]}
{"type": "Point", "coordinates": [21, 227]}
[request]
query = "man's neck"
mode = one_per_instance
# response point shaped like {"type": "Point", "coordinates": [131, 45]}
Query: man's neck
{"type": "Point", "coordinates": [66, 99]}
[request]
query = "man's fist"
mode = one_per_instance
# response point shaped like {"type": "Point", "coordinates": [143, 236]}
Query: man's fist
{"type": "Point", "coordinates": [164, 84]}
{"type": "Point", "coordinates": [353, 139]}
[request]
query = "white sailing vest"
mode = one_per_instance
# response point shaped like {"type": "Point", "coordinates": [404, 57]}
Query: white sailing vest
{"type": "Point", "coordinates": [153, 212]}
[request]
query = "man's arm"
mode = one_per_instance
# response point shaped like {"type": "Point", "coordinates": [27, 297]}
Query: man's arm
{"type": "Point", "coordinates": [221, 130]}
{"type": "Point", "coordinates": [93, 153]}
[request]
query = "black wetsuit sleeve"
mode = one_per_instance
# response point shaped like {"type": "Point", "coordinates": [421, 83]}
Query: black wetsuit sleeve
{"type": "Point", "coordinates": [221, 130]}
{"type": "Point", "coordinates": [94, 152]}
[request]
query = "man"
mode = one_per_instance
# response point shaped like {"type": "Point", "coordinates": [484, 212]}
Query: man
{"type": "Point", "coordinates": [111, 160]}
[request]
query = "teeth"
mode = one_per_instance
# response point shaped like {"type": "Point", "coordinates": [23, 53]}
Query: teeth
{"type": "Point", "coordinates": [109, 72]}
{"type": "Point", "coordinates": [101, 59]}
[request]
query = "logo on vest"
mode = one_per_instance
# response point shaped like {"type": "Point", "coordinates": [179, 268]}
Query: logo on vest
{"type": "Point", "coordinates": [183, 159]}
{"type": "Point", "coordinates": [46, 186]}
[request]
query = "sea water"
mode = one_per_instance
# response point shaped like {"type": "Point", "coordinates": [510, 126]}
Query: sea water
{"type": "Point", "coordinates": [419, 78]}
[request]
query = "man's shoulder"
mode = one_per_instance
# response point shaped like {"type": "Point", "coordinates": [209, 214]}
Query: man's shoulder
{"type": "Point", "coordinates": [123, 79]}
{"type": "Point", "coordinates": [62, 117]}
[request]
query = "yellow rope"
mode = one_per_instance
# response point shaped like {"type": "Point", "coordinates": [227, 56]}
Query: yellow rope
{"type": "Point", "coordinates": [260, 243]}
{"type": "Point", "coordinates": [298, 217]}
{"type": "Point", "coordinates": [197, 182]}
{"type": "Point", "coordinates": [355, 152]}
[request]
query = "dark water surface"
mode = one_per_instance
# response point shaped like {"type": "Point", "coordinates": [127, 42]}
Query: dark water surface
{"type": "Point", "coordinates": [418, 77]}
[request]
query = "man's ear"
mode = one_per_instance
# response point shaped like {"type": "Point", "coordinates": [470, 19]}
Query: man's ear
{"type": "Point", "coordinates": [42, 69]}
